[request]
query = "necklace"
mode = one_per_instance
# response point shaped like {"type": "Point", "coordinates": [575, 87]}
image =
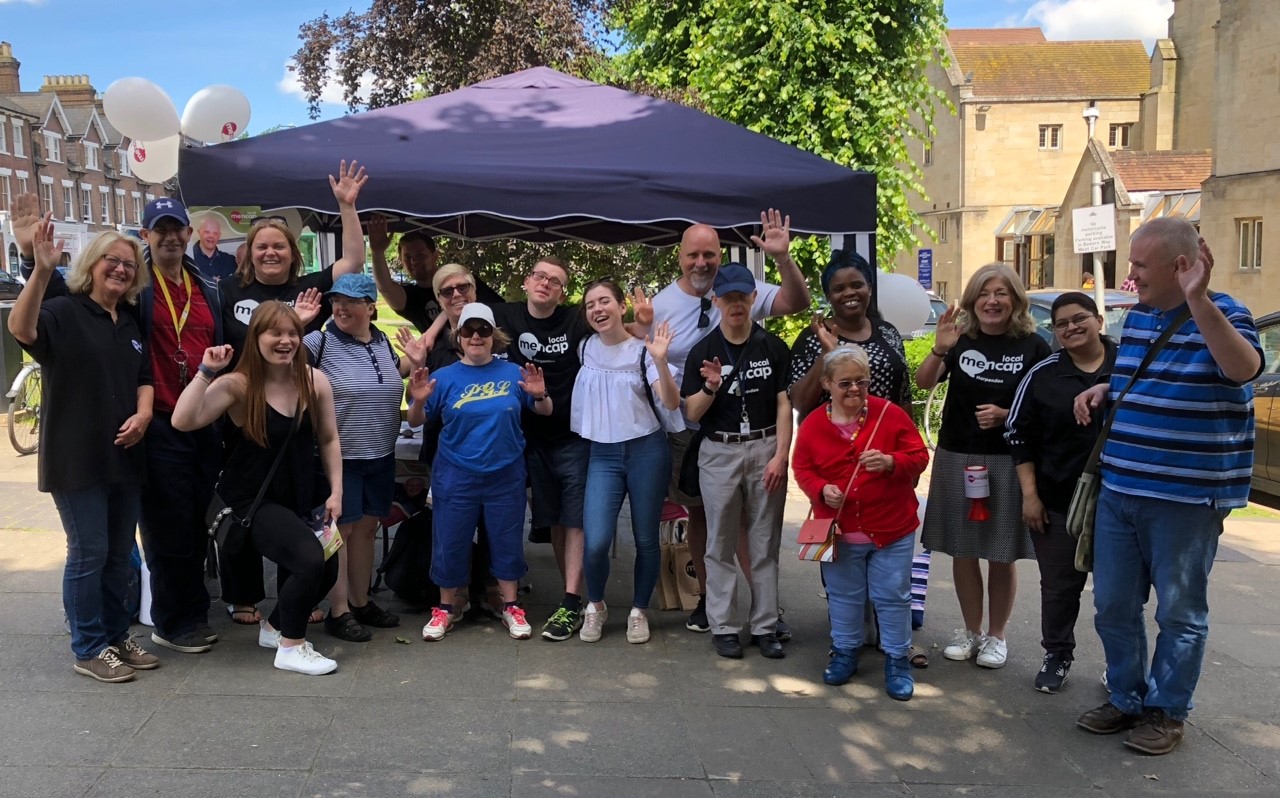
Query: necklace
{"type": "Point", "coordinates": [858, 422]}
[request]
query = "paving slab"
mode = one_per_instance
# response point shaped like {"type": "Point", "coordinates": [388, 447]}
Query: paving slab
{"type": "Point", "coordinates": [390, 784]}
{"type": "Point", "coordinates": [196, 783]}
{"type": "Point", "coordinates": [78, 729]}
{"type": "Point", "coordinates": [528, 785]}
{"type": "Point", "coordinates": [47, 782]}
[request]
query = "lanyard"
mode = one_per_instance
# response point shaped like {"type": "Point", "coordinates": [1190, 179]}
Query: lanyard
{"type": "Point", "coordinates": [178, 323]}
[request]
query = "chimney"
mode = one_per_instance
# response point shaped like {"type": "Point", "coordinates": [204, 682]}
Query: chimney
{"type": "Point", "coordinates": [72, 90]}
{"type": "Point", "coordinates": [9, 81]}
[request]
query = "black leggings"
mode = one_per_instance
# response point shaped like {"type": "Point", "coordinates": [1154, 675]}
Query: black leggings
{"type": "Point", "coordinates": [303, 576]}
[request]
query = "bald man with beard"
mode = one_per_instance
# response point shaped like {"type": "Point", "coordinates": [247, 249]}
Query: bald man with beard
{"type": "Point", "coordinates": [686, 305]}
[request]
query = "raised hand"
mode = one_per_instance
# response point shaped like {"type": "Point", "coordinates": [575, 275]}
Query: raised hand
{"type": "Point", "coordinates": [659, 342]}
{"type": "Point", "coordinates": [643, 306]}
{"type": "Point", "coordinates": [415, 349]}
{"type": "Point", "coordinates": [421, 386]}
{"type": "Point", "coordinates": [948, 332]}
{"type": "Point", "coordinates": [48, 253]}
{"type": "Point", "coordinates": [26, 216]}
{"type": "Point", "coordinates": [379, 239]}
{"type": "Point", "coordinates": [532, 381]}
{"type": "Point", "coordinates": [217, 358]}
{"type": "Point", "coordinates": [711, 373]}
{"type": "Point", "coordinates": [826, 338]}
{"type": "Point", "coordinates": [1194, 277]}
{"type": "Point", "coordinates": [346, 186]}
{"type": "Point", "coordinates": [777, 234]}
{"type": "Point", "coordinates": [307, 305]}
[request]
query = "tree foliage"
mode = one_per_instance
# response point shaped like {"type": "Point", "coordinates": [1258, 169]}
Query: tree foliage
{"type": "Point", "coordinates": [840, 78]}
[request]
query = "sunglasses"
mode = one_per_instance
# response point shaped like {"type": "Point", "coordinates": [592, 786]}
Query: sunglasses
{"type": "Point", "coordinates": [861, 384]}
{"type": "Point", "coordinates": [482, 330]}
{"type": "Point", "coordinates": [449, 290]}
{"type": "Point", "coordinates": [704, 317]}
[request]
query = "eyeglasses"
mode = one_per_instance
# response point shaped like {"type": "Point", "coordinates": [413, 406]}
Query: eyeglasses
{"type": "Point", "coordinates": [116, 263]}
{"type": "Point", "coordinates": [259, 219]}
{"type": "Point", "coordinates": [449, 290]}
{"type": "Point", "coordinates": [542, 277]}
{"type": "Point", "coordinates": [861, 384]}
{"type": "Point", "coordinates": [339, 299]}
{"type": "Point", "coordinates": [1078, 319]}
{"type": "Point", "coordinates": [704, 317]}
{"type": "Point", "coordinates": [483, 330]}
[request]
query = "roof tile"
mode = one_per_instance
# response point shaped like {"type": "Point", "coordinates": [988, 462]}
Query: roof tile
{"type": "Point", "coordinates": [1167, 170]}
{"type": "Point", "coordinates": [1056, 70]}
{"type": "Point", "coordinates": [958, 36]}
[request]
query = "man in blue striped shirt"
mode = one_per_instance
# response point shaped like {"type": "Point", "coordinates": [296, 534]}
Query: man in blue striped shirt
{"type": "Point", "coordinates": [1177, 460]}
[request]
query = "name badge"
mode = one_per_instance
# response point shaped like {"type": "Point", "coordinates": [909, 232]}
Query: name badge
{"type": "Point", "coordinates": [744, 426]}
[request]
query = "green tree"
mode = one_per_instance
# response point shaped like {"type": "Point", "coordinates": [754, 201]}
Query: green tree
{"type": "Point", "coordinates": [843, 79]}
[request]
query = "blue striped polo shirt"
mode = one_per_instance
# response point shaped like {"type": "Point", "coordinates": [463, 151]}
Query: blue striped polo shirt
{"type": "Point", "coordinates": [367, 389]}
{"type": "Point", "coordinates": [1184, 432]}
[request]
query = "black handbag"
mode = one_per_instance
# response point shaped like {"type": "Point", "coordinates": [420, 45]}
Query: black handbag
{"type": "Point", "coordinates": [228, 530]}
{"type": "Point", "coordinates": [689, 482]}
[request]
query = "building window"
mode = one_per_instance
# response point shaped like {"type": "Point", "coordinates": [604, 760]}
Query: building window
{"type": "Point", "coordinates": [5, 197]}
{"type": "Point", "coordinates": [1051, 137]}
{"type": "Point", "coordinates": [1249, 232]}
{"type": "Point", "coordinates": [23, 186]}
{"type": "Point", "coordinates": [120, 207]}
{"type": "Point", "coordinates": [46, 197]}
{"type": "Point", "coordinates": [928, 153]}
{"type": "Point", "coordinates": [137, 209]}
{"type": "Point", "coordinates": [53, 147]}
{"type": "Point", "coordinates": [4, 139]}
{"type": "Point", "coordinates": [86, 205]}
{"type": "Point", "coordinates": [91, 156]}
{"type": "Point", "coordinates": [942, 229]}
{"type": "Point", "coordinates": [1118, 139]}
{"type": "Point", "coordinates": [124, 161]}
{"type": "Point", "coordinates": [940, 288]}
{"type": "Point", "coordinates": [106, 208]}
{"type": "Point", "coordinates": [19, 147]}
{"type": "Point", "coordinates": [68, 204]}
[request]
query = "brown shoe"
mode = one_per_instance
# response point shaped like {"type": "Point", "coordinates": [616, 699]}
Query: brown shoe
{"type": "Point", "coordinates": [1157, 734]}
{"type": "Point", "coordinates": [135, 656]}
{"type": "Point", "coordinates": [1107, 719]}
{"type": "Point", "coordinates": [106, 667]}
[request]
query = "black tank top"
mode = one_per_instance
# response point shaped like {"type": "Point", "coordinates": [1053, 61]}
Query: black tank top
{"type": "Point", "coordinates": [293, 485]}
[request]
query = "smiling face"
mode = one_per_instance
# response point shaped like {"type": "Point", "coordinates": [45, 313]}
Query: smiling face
{"type": "Point", "coordinates": [1076, 327]}
{"type": "Point", "coordinates": [351, 314]}
{"type": "Point", "coordinates": [271, 254]}
{"type": "Point", "coordinates": [115, 272]}
{"type": "Point", "coordinates": [849, 295]}
{"type": "Point", "coordinates": [210, 234]}
{"type": "Point", "coordinates": [419, 260]}
{"type": "Point", "coordinates": [455, 293]}
{"type": "Point", "coordinates": [1154, 273]}
{"type": "Point", "coordinates": [700, 257]}
{"type": "Point", "coordinates": [545, 284]}
{"type": "Point", "coordinates": [993, 308]}
{"type": "Point", "coordinates": [475, 339]}
{"type": "Point", "coordinates": [604, 309]}
{"type": "Point", "coordinates": [847, 383]}
{"type": "Point", "coordinates": [168, 239]}
{"type": "Point", "coordinates": [279, 343]}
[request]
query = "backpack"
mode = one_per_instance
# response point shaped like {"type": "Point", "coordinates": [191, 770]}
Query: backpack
{"type": "Point", "coordinates": [406, 567]}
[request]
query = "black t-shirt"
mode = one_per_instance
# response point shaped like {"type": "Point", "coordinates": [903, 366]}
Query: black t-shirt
{"type": "Point", "coordinates": [91, 367]}
{"type": "Point", "coordinates": [421, 307]}
{"type": "Point", "coordinates": [885, 355]}
{"type": "Point", "coordinates": [984, 371]}
{"type": "Point", "coordinates": [552, 344]}
{"type": "Point", "coordinates": [758, 380]}
{"type": "Point", "coordinates": [239, 303]}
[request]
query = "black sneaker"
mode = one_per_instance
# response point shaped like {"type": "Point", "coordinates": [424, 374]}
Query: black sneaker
{"type": "Point", "coordinates": [727, 645]}
{"type": "Point", "coordinates": [698, 618]}
{"type": "Point", "coordinates": [373, 615]}
{"type": "Point", "coordinates": [1053, 672]}
{"type": "Point", "coordinates": [562, 624]}
{"type": "Point", "coordinates": [770, 646]}
{"type": "Point", "coordinates": [346, 627]}
{"type": "Point", "coordinates": [192, 642]}
{"type": "Point", "coordinates": [205, 631]}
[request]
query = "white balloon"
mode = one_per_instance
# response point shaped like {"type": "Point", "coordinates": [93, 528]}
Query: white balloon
{"type": "Point", "coordinates": [216, 113]}
{"type": "Point", "coordinates": [140, 109]}
{"type": "Point", "coordinates": [154, 161]}
{"type": "Point", "coordinates": [902, 301]}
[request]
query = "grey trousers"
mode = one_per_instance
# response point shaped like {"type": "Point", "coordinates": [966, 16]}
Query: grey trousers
{"type": "Point", "coordinates": [735, 501]}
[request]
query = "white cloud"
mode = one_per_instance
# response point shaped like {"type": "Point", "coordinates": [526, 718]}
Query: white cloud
{"type": "Point", "coordinates": [1101, 19]}
{"type": "Point", "coordinates": [332, 93]}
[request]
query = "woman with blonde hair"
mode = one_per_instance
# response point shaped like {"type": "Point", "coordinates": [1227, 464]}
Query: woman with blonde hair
{"type": "Point", "coordinates": [984, 346]}
{"type": "Point", "coordinates": [97, 406]}
{"type": "Point", "coordinates": [283, 408]}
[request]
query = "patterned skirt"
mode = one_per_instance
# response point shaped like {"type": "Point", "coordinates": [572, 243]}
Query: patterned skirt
{"type": "Point", "coordinates": [947, 528]}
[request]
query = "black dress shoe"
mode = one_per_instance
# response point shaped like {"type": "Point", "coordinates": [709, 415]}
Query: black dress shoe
{"type": "Point", "coordinates": [770, 646]}
{"type": "Point", "coordinates": [727, 646]}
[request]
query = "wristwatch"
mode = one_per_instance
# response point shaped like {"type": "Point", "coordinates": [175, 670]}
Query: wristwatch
{"type": "Point", "coordinates": [206, 371]}
{"type": "Point", "coordinates": [708, 390]}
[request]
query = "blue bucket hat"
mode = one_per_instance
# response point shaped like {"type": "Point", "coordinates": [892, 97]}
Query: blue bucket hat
{"type": "Point", "coordinates": [358, 286]}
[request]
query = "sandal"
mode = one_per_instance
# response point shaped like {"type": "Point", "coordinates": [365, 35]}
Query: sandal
{"type": "Point", "coordinates": [919, 659]}
{"type": "Point", "coordinates": [316, 616]}
{"type": "Point", "coordinates": [244, 614]}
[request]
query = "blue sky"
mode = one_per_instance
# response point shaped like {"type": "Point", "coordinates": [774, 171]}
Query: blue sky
{"type": "Point", "coordinates": [186, 46]}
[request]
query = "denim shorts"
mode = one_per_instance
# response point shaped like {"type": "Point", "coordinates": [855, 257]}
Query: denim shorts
{"type": "Point", "coordinates": [368, 487]}
{"type": "Point", "coordinates": [558, 479]}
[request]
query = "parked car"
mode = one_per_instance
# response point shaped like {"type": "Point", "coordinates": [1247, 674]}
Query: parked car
{"type": "Point", "coordinates": [9, 287]}
{"type": "Point", "coordinates": [1266, 415]}
{"type": "Point", "coordinates": [1117, 304]}
{"type": "Point", "coordinates": [936, 308]}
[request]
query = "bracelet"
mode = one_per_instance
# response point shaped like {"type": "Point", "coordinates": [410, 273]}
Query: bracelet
{"type": "Point", "coordinates": [708, 390]}
{"type": "Point", "coordinates": [206, 371]}
{"type": "Point", "coordinates": [934, 352]}
{"type": "Point", "coordinates": [540, 398]}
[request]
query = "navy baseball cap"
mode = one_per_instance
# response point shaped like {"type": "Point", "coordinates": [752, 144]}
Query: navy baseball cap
{"type": "Point", "coordinates": [734, 277]}
{"type": "Point", "coordinates": [158, 209]}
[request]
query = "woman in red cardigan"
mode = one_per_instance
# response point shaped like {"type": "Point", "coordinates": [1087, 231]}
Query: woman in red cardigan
{"type": "Point", "coordinates": [877, 519]}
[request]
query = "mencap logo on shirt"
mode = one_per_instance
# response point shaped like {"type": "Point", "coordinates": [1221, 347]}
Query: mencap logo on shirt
{"type": "Point", "coordinates": [531, 347]}
{"type": "Point", "coordinates": [974, 363]}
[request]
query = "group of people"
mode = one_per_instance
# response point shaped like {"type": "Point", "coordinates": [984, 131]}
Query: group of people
{"type": "Point", "coordinates": [588, 409]}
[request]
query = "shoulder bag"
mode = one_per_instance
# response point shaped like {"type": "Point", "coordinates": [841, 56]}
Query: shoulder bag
{"type": "Point", "coordinates": [225, 528]}
{"type": "Point", "coordinates": [689, 472]}
{"type": "Point", "coordinates": [817, 536]}
{"type": "Point", "coordinates": [1084, 501]}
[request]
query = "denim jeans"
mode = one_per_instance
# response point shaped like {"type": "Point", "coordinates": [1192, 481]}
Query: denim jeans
{"type": "Point", "coordinates": [859, 570]}
{"type": "Point", "coordinates": [461, 498]}
{"type": "Point", "coordinates": [1140, 543]}
{"type": "Point", "coordinates": [100, 523]}
{"type": "Point", "coordinates": [639, 469]}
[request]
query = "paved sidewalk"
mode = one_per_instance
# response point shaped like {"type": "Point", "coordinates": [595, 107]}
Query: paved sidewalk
{"type": "Point", "coordinates": [479, 714]}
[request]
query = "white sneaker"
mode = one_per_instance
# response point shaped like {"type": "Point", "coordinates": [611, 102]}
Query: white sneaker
{"type": "Point", "coordinates": [993, 653]}
{"type": "Point", "coordinates": [964, 644]}
{"type": "Point", "coordinates": [517, 625]}
{"type": "Point", "coordinates": [592, 623]}
{"type": "Point", "coordinates": [304, 659]}
{"type": "Point", "coordinates": [268, 637]}
{"type": "Point", "coordinates": [438, 626]}
{"type": "Point", "coordinates": [638, 626]}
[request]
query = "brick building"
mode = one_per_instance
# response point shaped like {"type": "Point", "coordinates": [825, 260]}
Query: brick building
{"type": "Point", "coordinates": [57, 143]}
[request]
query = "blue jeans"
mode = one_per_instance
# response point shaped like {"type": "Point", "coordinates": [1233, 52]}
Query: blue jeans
{"type": "Point", "coordinates": [638, 468]}
{"type": "Point", "coordinates": [1140, 543]}
{"type": "Point", "coordinates": [100, 523]}
{"type": "Point", "coordinates": [460, 499]}
{"type": "Point", "coordinates": [861, 569]}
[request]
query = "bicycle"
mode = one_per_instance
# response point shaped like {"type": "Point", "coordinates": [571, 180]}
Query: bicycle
{"type": "Point", "coordinates": [25, 400]}
{"type": "Point", "coordinates": [933, 414]}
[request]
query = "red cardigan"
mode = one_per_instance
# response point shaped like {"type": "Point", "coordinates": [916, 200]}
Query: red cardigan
{"type": "Point", "coordinates": [883, 505]}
